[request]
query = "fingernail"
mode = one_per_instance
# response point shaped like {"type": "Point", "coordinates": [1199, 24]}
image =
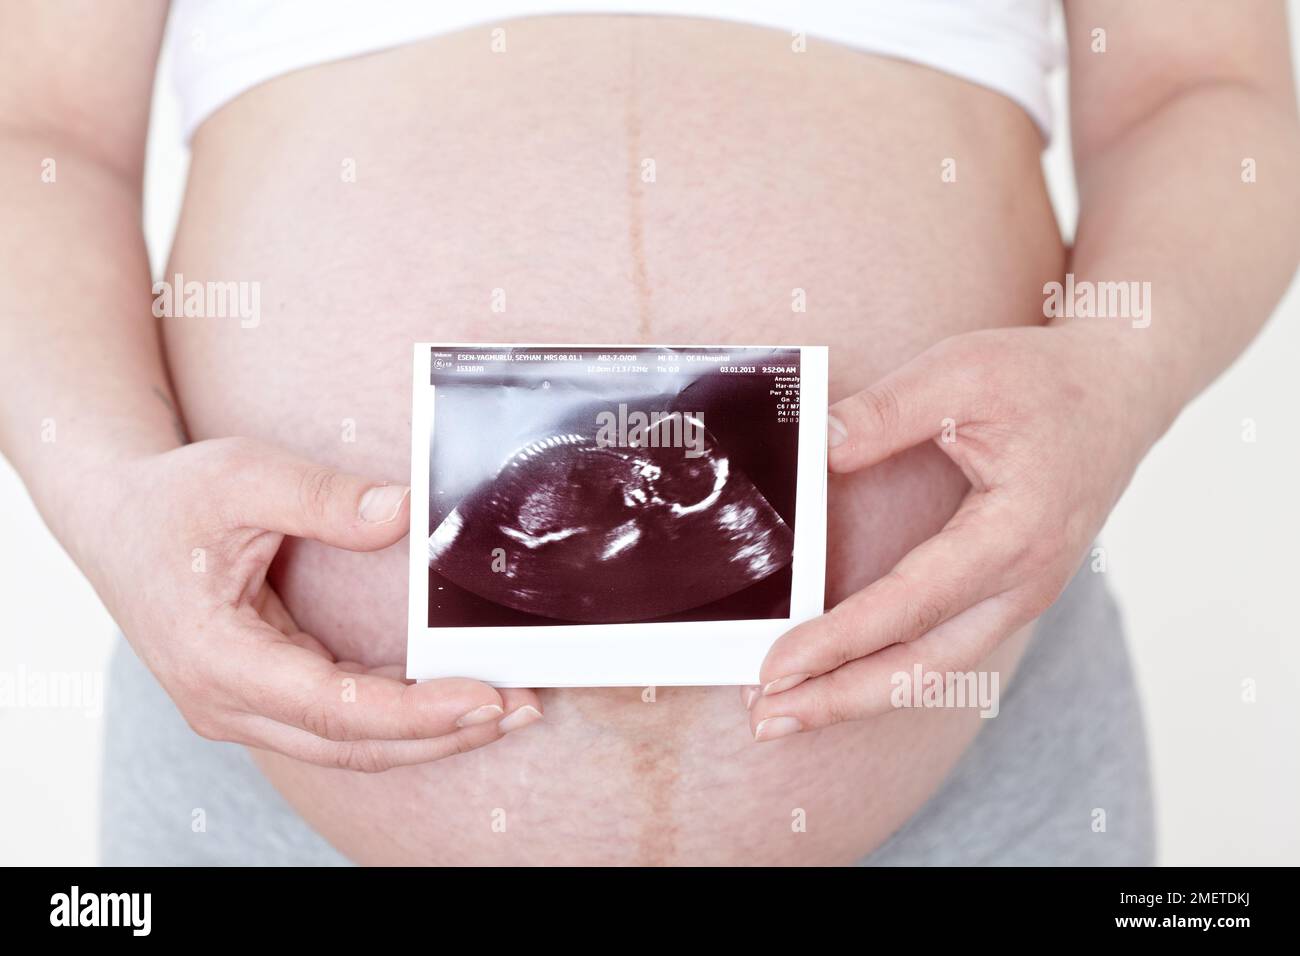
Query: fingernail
{"type": "Point", "coordinates": [769, 728]}
{"type": "Point", "coordinates": [835, 431]}
{"type": "Point", "coordinates": [522, 717]}
{"type": "Point", "coordinates": [783, 683]}
{"type": "Point", "coordinates": [751, 695]}
{"type": "Point", "coordinates": [480, 715]}
{"type": "Point", "coordinates": [380, 504]}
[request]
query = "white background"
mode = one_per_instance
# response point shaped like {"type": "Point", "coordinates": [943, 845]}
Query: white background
{"type": "Point", "coordinates": [1202, 553]}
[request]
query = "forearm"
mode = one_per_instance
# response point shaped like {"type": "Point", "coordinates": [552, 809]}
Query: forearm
{"type": "Point", "coordinates": [82, 380]}
{"type": "Point", "coordinates": [1166, 203]}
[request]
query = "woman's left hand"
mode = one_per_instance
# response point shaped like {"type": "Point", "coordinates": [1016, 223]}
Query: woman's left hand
{"type": "Point", "coordinates": [1048, 425]}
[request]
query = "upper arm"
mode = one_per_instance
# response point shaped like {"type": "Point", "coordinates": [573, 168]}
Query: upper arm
{"type": "Point", "coordinates": [81, 71]}
{"type": "Point", "coordinates": [1156, 50]}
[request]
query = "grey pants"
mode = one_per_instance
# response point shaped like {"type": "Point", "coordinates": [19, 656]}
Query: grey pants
{"type": "Point", "coordinates": [1065, 755]}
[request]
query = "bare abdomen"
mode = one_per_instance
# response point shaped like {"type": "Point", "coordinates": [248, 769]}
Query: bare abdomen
{"type": "Point", "coordinates": [607, 180]}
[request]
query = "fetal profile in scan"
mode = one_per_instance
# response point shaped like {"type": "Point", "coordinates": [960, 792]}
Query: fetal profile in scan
{"type": "Point", "coordinates": [575, 527]}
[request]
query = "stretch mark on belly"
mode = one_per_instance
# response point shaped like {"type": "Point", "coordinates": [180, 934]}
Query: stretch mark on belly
{"type": "Point", "coordinates": [644, 740]}
{"type": "Point", "coordinates": [636, 196]}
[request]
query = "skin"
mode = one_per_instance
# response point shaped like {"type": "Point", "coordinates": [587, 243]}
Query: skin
{"type": "Point", "coordinates": [125, 500]}
{"type": "Point", "coordinates": [245, 672]}
{"type": "Point", "coordinates": [592, 253]}
{"type": "Point", "coordinates": [1050, 423]}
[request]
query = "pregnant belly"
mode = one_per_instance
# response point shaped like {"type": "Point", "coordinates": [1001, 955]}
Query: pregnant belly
{"type": "Point", "coordinates": [609, 180]}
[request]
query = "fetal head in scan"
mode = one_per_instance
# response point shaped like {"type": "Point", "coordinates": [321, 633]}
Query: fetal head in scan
{"type": "Point", "coordinates": [576, 527]}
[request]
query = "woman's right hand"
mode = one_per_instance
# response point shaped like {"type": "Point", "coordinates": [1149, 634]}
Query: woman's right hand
{"type": "Point", "coordinates": [181, 560]}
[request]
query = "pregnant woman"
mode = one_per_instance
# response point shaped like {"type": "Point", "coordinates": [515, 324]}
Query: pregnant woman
{"type": "Point", "coordinates": [864, 176]}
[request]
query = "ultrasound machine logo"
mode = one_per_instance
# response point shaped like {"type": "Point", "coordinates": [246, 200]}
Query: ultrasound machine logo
{"type": "Point", "coordinates": [624, 429]}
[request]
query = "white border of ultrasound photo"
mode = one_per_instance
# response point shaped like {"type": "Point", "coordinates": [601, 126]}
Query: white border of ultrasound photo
{"type": "Point", "coordinates": [608, 655]}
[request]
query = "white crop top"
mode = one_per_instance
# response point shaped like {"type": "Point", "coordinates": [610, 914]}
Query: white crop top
{"type": "Point", "coordinates": [220, 48]}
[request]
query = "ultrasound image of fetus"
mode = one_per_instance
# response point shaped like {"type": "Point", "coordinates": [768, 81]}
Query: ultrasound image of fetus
{"type": "Point", "coordinates": [597, 533]}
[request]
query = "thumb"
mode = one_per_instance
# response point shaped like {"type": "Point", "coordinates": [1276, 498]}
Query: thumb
{"type": "Point", "coordinates": [277, 491]}
{"type": "Point", "coordinates": [908, 406]}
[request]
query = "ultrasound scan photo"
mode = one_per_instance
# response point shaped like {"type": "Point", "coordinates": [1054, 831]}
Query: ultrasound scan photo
{"type": "Point", "coordinates": [604, 487]}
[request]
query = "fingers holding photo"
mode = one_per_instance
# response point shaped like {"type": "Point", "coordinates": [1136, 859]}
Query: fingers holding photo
{"type": "Point", "coordinates": [871, 686]}
{"type": "Point", "coordinates": [277, 693]}
{"type": "Point", "coordinates": [1044, 472]}
{"type": "Point", "coordinates": [974, 557]}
